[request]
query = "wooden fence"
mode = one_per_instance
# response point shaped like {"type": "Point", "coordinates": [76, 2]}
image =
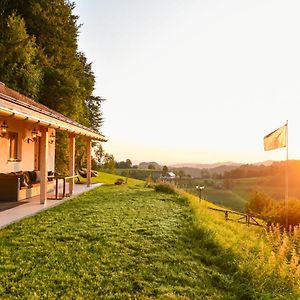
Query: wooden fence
{"type": "Point", "coordinates": [247, 219]}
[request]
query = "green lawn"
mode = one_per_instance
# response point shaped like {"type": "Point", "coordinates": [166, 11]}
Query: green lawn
{"type": "Point", "coordinates": [107, 178]}
{"type": "Point", "coordinates": [236, 196]}
{"type": "Point", "coordinates": [129, 242]}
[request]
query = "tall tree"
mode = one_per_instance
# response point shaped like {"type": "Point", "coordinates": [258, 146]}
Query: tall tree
{"type": "Point", "coordinates": [19, 66]}
{"type": "Point", "coordinates": [128, 163]}
{"type": "Point", "coordinates": [68, 80]}
{"type": "Point", "coordinates": [109, 162]}
{"type": "Point", "coordinates": [92, 104]}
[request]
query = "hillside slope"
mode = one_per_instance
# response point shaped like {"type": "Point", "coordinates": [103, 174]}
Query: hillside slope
{"type": "Point", "coordinates": [131, 242]}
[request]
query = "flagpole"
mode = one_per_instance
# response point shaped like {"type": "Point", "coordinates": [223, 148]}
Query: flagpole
{"type": "Point", "coordinates": [287, 180]}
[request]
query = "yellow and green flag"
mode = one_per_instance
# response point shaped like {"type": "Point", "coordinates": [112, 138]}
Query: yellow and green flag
{"type": "Point", "coordinates": [276, 139]}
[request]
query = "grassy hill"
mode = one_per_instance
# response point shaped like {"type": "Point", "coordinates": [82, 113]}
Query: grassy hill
{"type": "Point", "coordinates": [234, 196]}
{"type": "Point", "coordinates": [238, 192]}
{"type": "Point", "coordinates": [141, 174]}
{"type": "Point", "coordinates": [130, 242]}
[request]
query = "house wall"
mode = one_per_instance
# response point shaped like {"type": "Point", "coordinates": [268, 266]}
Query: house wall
{"type": "Point", "coordinates": [26, 150]}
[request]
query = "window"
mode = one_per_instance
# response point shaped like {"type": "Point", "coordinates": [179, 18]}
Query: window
{"type": "Point", "coordinates": [13, 146]}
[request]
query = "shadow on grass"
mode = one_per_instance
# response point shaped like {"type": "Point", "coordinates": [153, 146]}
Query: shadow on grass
{"type": "Point", "coordinates": [222, 270]}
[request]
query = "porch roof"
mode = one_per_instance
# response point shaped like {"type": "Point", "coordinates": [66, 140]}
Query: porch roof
{"type": "Point", "coordinates": [21, 107]}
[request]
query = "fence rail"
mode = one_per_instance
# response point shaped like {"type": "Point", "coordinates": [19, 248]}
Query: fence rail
{"type": "Point", "coordinates": [243, 218]}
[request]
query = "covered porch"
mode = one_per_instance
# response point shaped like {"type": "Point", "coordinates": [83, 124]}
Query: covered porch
{"type": "Point", "coordinates": [27, 143]}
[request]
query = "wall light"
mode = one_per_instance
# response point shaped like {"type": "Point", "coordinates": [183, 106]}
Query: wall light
{"type": "Point", "coordinates": [52, 138]}
{"type": "Point", "coordinates": [34, 134]}
{"type": "Point", "coordinates": [4, 127]}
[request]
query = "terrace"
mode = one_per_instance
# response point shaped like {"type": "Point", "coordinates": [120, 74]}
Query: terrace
{"type": "Point", "coordinates": [31, 206]}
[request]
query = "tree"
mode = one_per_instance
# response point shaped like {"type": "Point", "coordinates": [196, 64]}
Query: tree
{"type": "Point", "coordinates": [165, 170]}
{"type": "Point", "coordinates": [92, 105]}
{"type": "Point", "coordinates": [109, 162]}
{"type": "Point", "coordinates": [204, 173]}
{"type": "Point", "coordinates": [128, 163]}
{"type": "Point", "coordinates": [180, 174]}
{"type": "Point", "coordinates": [19, 65]}
{"type": "Point", "coordinates": [276, 213]}
{"type": "Point", "coordinates": [67, 78]}
{"type": "Point", "coordinates": [98, 153]}
{"type": "Point", "coordinates": [151, 167]}
{"type": "Point", "coordinates": [258, 203]}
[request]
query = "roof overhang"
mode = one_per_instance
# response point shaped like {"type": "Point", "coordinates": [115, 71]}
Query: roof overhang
{"type": "Point", "coordinates": [11, 107]}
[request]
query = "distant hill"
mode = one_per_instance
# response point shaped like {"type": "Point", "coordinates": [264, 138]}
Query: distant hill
{"type": "Point", "coordinates": [195, 172]}
{"type": "Point", "coordinates": [194, 169]}
{"type": "Point", "coordinates": [187, 171]}
{"type": "Point", "coordinates": [205, 166]}
{"type": "Point", "coordinates": [222, 169]}
{"type": "Point", "coordinates": [145, 165]}
{"type": "Point", "coordinates": [266, 163]}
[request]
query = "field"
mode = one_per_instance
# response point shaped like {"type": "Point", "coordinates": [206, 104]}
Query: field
{"type": "Point", "coordinates": [238, 192]}
{"type": "Point", "coordinates": [130, 242]}
{"type": "Point", "coordinates": [230, 193]}
{"type": "Point", "coordinates": [141, 174]}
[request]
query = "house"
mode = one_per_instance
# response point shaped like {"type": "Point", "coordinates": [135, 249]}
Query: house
{"type": "Point", "coordinates": [169, 176]}
{"type": "Point", "coordinates": [27, 140]}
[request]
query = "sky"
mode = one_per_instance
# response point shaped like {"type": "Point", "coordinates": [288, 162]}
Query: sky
{"type": "Point", "coordinates": [194, 81]}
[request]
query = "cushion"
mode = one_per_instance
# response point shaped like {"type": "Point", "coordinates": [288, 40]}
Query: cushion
{"type": "Point", "coordinates": [38, 176]}
{"type": "Point", "coordinates": [32, 176]}
{"type": "Point", "coordinates": [27, 179]}
{"type": "Point", "coordinates": [22, 179]}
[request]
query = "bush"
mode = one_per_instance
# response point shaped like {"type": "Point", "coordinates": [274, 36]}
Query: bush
{"type": "Point", "coordinates": [277, 212]}
{"type": "Point", "coordinates": [149, 182]}
{"type": "Point", "coordinates": [274, 211]}
{"type": "Point", "coordinates": [258, 203]}
{"type": "Point", "coordinates": [167, 188]}
{"type": "Point", "coordinates": [119, 181]}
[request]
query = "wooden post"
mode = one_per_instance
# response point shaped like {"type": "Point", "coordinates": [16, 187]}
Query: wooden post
{"type": "Point", "coordinates": [44, 164]}
{"type": "Point", "coordinates": [71, 162]}
{"type": "Point", "coordinates": [88, 161]}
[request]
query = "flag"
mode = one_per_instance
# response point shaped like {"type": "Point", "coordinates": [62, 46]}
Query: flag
{"type": "Point", "coordinates": [276, 139]}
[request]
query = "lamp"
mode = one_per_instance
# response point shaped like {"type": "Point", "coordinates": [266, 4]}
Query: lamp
{"type": "Point", "coordinates": [51, 138]}
{"type": "Point", "coordinates": [4, 127]}
{"type": "Point", "coordinates": [34, 134]}
{"type": "Point", "coordinates": [200, 188]}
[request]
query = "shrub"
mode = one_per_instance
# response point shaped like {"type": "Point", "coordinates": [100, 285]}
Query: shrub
{"type": "Point", "coordinates": [258, 203]}
{"type": "Point", "coordinates": [274, 211]}
{"type": "Point", "coordinates": [119, 181]}
{"type": "Point", "coordinates": [277, 212]}
{"type": "Point", "coordinates": [149, 182]}
{"type": "Point", "coordinates": [167, 188]}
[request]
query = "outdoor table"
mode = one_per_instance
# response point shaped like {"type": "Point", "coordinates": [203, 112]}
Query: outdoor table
{"type": "Point", "coordinates": [64, 178]}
